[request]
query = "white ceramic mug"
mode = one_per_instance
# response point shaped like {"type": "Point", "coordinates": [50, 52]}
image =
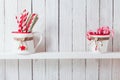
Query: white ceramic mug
{"type": "Point", "coordinates": [97, 45]}
{"type": "Point", "coordinates": [24, 42]}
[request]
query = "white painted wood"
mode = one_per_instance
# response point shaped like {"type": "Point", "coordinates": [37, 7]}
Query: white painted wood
{"type": "Point", "coordinates": [2, 70]}
{"type": "Point", "coordinates": [105, 69]}
{"type": "Point", "coordinates": [40, 25]}
{"type": "Point", "coordinates": [79, 69]}
{"type": "Point", "coordinates": [92, 24]}
{"type": "Point", "coordinates": [116, 70]}
{"type": "Point", "coordinates": [51, 38]}
{"type": "Point", "coordinates": [25, 66]}
{"type": "Point", "coordinates": [79, 36]}
{"type": "Point", "coordinates": [79, 25]}
{"type": "Point", "coordinates": [2, 62]}
{"type": "Point", "coordinates": [116, 44]}
{"type": "Point", "coordinates": [65, 38]}
{"type": "Point", "coordinates": [52, 25]}
{"type": "Point", "coordinates": [39, 65]}
{"type": "Point", "coordinates": [51, 69]}
{"type": "Point", "coordinates": [92, 69]}
{"type": "Point", "coordinates": [106, 19]}
{"type": "Point", "coordinates": [68, 9]}
{"type": "Point", "coordinates": [2, 25]}
{"type": "Point", "coordinates": [12, 70]}
{"type": "Point", "coordinates": [39, 70]}
{"type": "Point", "coordinates": [10, 25]}
{"type": "Point", "coordinates": [25, 70]}
{"type": "Point", "coordinates": [63, 55]}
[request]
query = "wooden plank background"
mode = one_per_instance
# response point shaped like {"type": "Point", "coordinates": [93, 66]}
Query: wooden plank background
{"type": "Point", "coordinates": [63, 24]}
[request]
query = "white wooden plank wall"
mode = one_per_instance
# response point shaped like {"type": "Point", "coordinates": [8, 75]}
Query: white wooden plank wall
{"type": "Point", "coordinates": [2, 23]}
{"type": "Point", "coordinates": [106, 19]}
{"type": "Point", "coordinates": [63, 24]}
{"type": "Point", "coordinates": [51, 38]}
{"type": "Point", "coordinates": [116, 45]}
{"type": "Point", "coordinates": [92, 19]}
{"type": "Point", "coordinates": [25, 66]}
{"type": "Point", "coordinates": [39, 65]}
{"type": "Point", "coordinates": [11, 65]}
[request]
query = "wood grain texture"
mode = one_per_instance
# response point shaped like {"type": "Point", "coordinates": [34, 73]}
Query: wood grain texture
{"type": "Point", "coordinates": [92, 24]}
{"type": "Point", "coordinates": [106, 18]}
{"type": "Point", "coordinates": [25, 66]}
{"type": "Point", "coordinates": [65, 31]}
{"type": "Point", "coordinates": [10, 25]}
{"type": "Point", "coordinates": [39, 65]}
{"type": "Point", "coordinates": [79, 36]}
{"type": "Point", "coordinates": [51, 38]}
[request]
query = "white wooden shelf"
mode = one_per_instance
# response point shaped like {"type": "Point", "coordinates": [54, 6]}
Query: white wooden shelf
{"type": "Point", "coordinates": [62, 55]}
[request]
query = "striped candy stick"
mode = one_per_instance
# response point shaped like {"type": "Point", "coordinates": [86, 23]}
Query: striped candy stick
{"type": "Point", "coordinates": [35, 18]}
{"type": "Point", "coordinates": [30, 21]}
{"type": "Point", "coordinates": [27, 23]}
{"type": "Point", "coordinates": [23, 18]}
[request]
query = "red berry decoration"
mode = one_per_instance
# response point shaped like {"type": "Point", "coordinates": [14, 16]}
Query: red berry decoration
{"type": "Point", "coordinates": [22, 48]}
{"type": "Point", "coordinates": [104, 30]}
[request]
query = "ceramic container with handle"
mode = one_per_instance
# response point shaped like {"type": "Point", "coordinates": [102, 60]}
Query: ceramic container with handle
{"type": "Point", "coordinates": [24, 42]}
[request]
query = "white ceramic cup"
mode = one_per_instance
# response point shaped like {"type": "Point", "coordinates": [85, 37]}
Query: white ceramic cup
{"type": "Point", "coordinates": [99, 45]}
{"type": "Point", "coordinates": [24, 42]}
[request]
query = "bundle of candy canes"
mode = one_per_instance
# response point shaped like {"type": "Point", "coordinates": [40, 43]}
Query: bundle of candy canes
{"type": "Point", "coordinates": [102, 31]}
{"type": "Point", "coordinates": [26, 21]}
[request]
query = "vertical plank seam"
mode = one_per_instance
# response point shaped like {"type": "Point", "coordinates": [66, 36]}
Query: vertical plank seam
{"type": "Point", "coordinates": [99, 12]}
{"type": "Point", "coordinates": [4, 25]}
{"type": "Point", "coordinates": [4, 44]}
{"type": "Point", "coordinates": [5, 70]}
{"type": "Point", "coordinates": [58, 25]}
{"type": "Point", "coordinates": [99, 60]}
{"type": "Point", "coordinates": [18, 71]}
{"type": "Point", "coordinates": [58, 38]}
{"type": "Point", "coordinates": [18, 59]}
{"type": "Point", "coordinates": [112, 20]}
{"type": "Point", "coordinates": [72, 39]}
{"type": "Point", "coordinates": [32, 69]}
{"type": "Point", "coordinates": [112, 39]}
{"type": "Point", "coordinates": [31, 6]}
{"type": "Point", "coordinates": [85, 31]}
{"type": "Point", "coordinates": [85, 35]}
{"type": "Point", "coordinates": [31, 59]}
{"type": "Point", "coordinates": [45, 38]}
{"type": "Point", "coordinates": [86, 25]}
